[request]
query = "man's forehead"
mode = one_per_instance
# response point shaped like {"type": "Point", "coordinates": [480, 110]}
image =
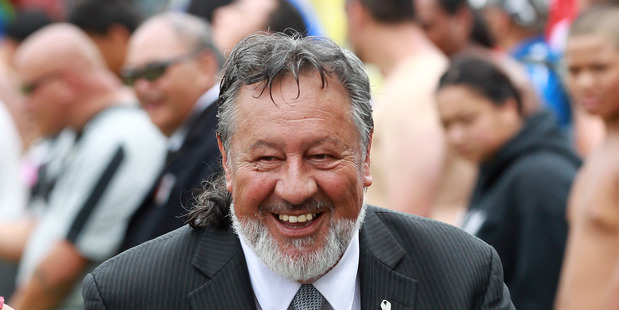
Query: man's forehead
{"type": "Point", "coordinates": [154, 42]}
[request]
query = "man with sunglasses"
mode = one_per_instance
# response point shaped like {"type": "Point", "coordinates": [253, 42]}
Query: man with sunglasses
{"type": "Point", "coordinates": [172, 65]}
{"type": "Point", "coordinates": [105, 156]}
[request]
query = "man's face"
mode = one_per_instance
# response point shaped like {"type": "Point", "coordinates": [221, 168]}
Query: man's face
{"type": "Point", "coordinates": [234, 21]}
{"type": "Point", "coordinates": [475, 127]}
{"type": "Point", "coordinates": [449, 33]}
{"type": "Point", "coordinates": [593, 73]}
{"type": "Point", "coordinates": [355, 13]}
{"type": "Point", "coordinates": [168, 98]}
{"type": "Point", "coordinates": [45, 96]}
{"type": "Point", "coordinates": [296, 165]}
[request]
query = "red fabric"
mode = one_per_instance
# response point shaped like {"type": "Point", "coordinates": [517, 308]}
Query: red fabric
{"type": "Point", "coordinates": [560, 16]}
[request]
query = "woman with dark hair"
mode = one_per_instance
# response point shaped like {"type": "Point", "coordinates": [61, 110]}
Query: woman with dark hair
{"type": "Point", "coordinates": [526, 168]}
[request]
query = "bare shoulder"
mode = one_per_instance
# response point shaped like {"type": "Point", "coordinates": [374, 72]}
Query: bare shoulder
{"type": "Point", "coordinates": [595, 195]}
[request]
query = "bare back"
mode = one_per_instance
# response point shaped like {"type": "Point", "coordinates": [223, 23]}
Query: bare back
{"type": "Point", "coordinates": [593, 244]}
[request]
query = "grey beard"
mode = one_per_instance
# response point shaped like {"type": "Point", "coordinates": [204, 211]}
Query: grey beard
{"type": "Point", "coordinates": [300, 268]}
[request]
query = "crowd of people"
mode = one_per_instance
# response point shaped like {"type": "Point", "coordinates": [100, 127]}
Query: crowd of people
{"type": "Point", "coordinates": [229, 155]}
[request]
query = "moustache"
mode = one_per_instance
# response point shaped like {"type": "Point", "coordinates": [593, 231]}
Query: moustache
{"type": "Point", "coordinates": [311, 206]}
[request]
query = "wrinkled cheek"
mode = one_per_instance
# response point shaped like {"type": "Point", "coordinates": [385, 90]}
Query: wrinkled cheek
{"type": "Point", "coordinates": [248, 193]}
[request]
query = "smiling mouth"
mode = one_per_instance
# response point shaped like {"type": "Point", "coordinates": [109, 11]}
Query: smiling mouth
{"type": "Point", "coordinates": [298, 220]}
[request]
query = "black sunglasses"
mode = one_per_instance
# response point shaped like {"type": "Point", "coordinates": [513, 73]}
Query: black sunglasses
{"type": "Point", "coordinates": [28, 88]}
{"type": "Point", "coordinates": [152, 71]}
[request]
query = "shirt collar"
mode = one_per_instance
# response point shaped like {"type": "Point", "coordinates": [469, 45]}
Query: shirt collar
{"type": "Point", "coordinates": [338, 286]}
{"type": "Point", "coordinates": [206, 100]}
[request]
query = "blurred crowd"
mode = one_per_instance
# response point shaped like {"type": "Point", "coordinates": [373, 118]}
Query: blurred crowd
{"type": "Point", "coordinates": [497, 116]}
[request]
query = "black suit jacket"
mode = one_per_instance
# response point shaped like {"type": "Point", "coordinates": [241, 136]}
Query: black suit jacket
{"type": "Point", "coordinates": [197, 160]}
{"type": "Point", "coordinates": [413, 262]}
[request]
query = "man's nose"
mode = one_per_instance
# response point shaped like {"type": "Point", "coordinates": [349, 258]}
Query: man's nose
{"type": "Point", "coordinates": [455, 135]}
{"type": "Point", "coordinates": [296, 184]}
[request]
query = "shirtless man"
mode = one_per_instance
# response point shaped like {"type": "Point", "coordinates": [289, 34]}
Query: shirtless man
{"type": "Point", "coordinates": [411, 169]}
{"type": "Point", "coordinates": [590, 270]}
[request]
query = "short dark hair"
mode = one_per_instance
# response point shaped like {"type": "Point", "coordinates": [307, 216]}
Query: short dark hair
{"type": "Point", "coordinates": [286, 18]}
{"type": "Point", "coordinates": [599, 19]}
{"type": "Point", "coordinates": [25, 23]}
{"type": "Point", "coordinates": [97, 16]}
{"type": "Point", "coordinates": [482, 76]}
{"type": "Point", "coordinates": [480, 33]}
{"type": "Point", "coordinates": [391, 11]}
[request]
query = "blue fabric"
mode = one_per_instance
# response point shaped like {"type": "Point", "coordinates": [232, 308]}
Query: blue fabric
{"type": "Point", "coordinates": [312, 22]}
{"type": "Point", "coordinates": [540, 63]}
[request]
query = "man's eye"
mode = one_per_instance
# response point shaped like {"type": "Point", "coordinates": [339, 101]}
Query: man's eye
{"type": "Point", "coordinates": [267, 158]}
{"type": "Point", "coordinates": [321, 156]}
{"type": "Point", "coordinates": [467, 119]}
{"type": "Point", "coordinates": [599, 67]}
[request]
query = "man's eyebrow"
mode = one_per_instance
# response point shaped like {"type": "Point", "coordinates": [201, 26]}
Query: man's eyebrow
{"type": "Point", "coordinates": [320, 140]}
{"type": "Point", "coordinates": [261, 143]}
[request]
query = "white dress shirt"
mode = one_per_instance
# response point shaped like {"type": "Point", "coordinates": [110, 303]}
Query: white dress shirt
{"type": "Point", "coordinates": [339, 286]}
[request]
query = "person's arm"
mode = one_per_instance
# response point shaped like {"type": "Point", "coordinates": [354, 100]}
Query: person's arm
{"type": "Point", "coordinates": [52, 280]}
{"type": "Point", "coordinates": [13, 238]}
{"type": "Point", "coordinates": [614, 286]}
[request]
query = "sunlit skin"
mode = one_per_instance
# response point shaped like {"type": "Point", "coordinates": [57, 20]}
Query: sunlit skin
{"type": "Point", "coordinates": [295, 150]}
{"type": "Point", "coordinates": [170, 99]}
{"type": "Point", "coordinates": [592, 254]}
{"type": "Point", "coordinates": [45, 105]}
{"type": "Point", "coordinates": [475, 126]}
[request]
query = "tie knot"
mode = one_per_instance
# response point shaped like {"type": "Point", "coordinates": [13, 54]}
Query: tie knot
{"type": "Point", "coordinates": [307, 298]}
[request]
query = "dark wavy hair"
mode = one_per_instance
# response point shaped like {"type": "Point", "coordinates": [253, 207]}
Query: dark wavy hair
{"type": "Point", "coordinates": [482, 76]}
{"type": "Point", "coordinates": [263, 59]}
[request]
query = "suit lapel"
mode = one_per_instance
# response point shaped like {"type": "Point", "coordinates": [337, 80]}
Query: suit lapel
{"type": "Point", "coordinates": [220, 257]}
{"type": "Point", "coordinates": [380, 253]}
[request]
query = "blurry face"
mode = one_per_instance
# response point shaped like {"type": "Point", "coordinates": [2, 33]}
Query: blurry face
{"type": "Point", "coordinates": [46, 94]}
{"type": "Point", "coordinates": [169, 98]}
{"type": "Point", "coordinates": [475, 127]}
{"type": "Point", "coordinates": [296, 167]}
{"type": "Point", "coordinates": [447, 32]}
{"type": "Point", "coordinates": [593, 74]}
{"type": "Point", "coordinates": [112, 48]}
{"type": "Point", "coordinates": [355, 23]}
{"type": "Point", "coordinates": [234, 21]}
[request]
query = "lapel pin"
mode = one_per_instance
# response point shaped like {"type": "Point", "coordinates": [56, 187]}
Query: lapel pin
{"type": "Point", "coordinates": [385, 305]}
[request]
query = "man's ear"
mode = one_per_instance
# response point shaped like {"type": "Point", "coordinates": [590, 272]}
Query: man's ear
{"type": "Point", "coordinates": [367, 177]}
{"type": "Point", "coordinates": [224, 163]}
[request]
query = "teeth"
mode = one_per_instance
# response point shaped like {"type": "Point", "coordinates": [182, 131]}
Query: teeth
{"type": "Point", "coordinates": [297, 219]}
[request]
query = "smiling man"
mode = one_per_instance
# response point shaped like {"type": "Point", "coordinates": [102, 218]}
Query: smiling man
{"type": "Point", "coordinates": [287, 223]}
{"type": "Point", "coordinates": [171, 64]}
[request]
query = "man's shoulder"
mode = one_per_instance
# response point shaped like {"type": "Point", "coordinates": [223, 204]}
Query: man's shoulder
{"type": "Point", "coordinates": [437, 256]}
{"type": "Point", "coordinates": [154, 273]}
{"type": "Point", "coordinates": [425, 232]}
{"type": "Point", "coordinates": [174, 246]}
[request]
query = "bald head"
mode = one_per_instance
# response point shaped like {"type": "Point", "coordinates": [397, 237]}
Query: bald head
{"type": "Point", "coordinates": [600, 19]}
{"type": "Point", "coordinates": [64, 78]}
{"type": "Point", "coordinates": [190, 31]}
{"type": "Point", "coordinates": [59, 47]}
{"type": "Point", "coordinates": [171, 62]}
